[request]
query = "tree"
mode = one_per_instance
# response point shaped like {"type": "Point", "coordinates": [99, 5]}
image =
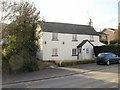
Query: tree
{"type": "Point", "coordinates": [119, 32]}
{"type": "Point", "coordinates": [21, 39]}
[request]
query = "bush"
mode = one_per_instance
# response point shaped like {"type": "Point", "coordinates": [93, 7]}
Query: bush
{"type": "Point", "coordinates": [104, 41]}
{"type": "Point", "coordinates": [110, 48]}
{"type": "Point", "coordinates": [16, 62]}
{"type": "Point", "coordinates": [30, 62]}
{"type": "Point", "coordinates": [22, 62]}
{"type": "Point", "coordinates": [62, 63]}
{"type": "Point", "coordinates": [6, 69]}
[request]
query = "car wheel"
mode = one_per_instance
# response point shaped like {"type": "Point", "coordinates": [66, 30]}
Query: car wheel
{"type": "Point", "coordinates": [108, 62]}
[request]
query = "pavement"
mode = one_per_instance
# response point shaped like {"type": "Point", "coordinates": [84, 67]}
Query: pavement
{"type": "Point", "coordinates": [52, 72]}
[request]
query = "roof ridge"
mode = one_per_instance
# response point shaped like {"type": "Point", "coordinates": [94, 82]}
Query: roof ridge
{"type": "Point", "coordinates": [58, 27]}
{"type": "Point", "coordinates": [68, 23]}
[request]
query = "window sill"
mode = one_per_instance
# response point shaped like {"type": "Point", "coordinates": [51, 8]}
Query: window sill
{"type": "Point", "coordinates": [54, 55]}
{"type": "Point", "coordinates": [74, 40]}
{"type": "Point", "coordinates": [74, 55]}
{"type": "Point", "coordinates": [54, 40]}
{"type": "Point", "coordinates": [91, 40]}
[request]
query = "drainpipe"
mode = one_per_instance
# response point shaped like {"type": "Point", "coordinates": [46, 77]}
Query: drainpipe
{"type": "Point", "coordinates": [108, 39]}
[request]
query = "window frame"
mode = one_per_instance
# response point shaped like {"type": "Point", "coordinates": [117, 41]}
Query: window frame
{"type": "Point", "coordinates": [91, 38]}
{"type": "Point", "coordinates": [74, 37]}
{"type": "Point", "coordinates": [54, 52]}
{"type": "Point", "coordinates": [74, 52]}
{"type": "Point", "coordinates": [54, 36]}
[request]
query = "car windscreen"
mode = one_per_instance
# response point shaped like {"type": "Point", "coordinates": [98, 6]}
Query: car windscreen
{"type": "Point", "coordinates": [102, 55]}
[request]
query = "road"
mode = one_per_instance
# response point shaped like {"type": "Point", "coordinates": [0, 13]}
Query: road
{"type": "Point", "coordinates": [103, 77]}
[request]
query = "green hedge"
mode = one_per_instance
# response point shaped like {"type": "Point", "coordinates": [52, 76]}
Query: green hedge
{"type": "Point", "coordinates": [110, 48]}
{"type": "Point", "coordinates": [63, 63]}
{"type": "Point", "coordinates": [19, 63]}
{"type": "Point", "coordinates": [104, 41]}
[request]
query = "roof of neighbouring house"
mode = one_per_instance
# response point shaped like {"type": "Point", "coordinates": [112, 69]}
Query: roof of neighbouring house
{"type": "Point", "coordinates": [83, 42]}
{"type": "Point", "coordinates": [101, 33]}
{"type": "Point", "coordinates": [68, 28]}
{"type": "Point", "coordinates": [109, 29]}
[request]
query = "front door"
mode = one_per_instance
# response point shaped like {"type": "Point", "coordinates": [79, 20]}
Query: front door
{"type": "Point", "coordinates": [79, 57]}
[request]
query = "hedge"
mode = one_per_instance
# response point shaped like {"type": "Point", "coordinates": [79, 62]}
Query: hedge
{"type": "Point", "coordinates": [110, 48]}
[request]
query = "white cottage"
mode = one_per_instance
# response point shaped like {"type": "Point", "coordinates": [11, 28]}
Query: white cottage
{"type": "Point", "coordinates": [62, 41]}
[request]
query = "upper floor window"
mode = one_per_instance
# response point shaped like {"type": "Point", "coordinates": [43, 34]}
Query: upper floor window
{"type": "Point", "coordinates": [55, 36]}
{"type": "Point", "coordinates": [91, 38]}
{"type": "Point", "coordinates": [74, 37]}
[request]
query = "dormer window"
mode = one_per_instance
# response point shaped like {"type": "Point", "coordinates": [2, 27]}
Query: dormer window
{"type": "Point", "coordinates": [74, 37]}
{"type": "Point", "coordinates": [54, 36]}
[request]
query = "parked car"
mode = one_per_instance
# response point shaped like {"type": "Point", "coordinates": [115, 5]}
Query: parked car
{"type": "Point", "coordinates": [107, 58]}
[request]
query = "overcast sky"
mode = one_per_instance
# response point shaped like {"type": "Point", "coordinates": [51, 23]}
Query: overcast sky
{"type": "Point", "coordinates": [104, 13]}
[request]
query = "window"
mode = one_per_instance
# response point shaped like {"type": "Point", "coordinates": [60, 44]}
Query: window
{"type": "Point", "coordinates": [91, 38]}
{"type": "Point", "coordinates": [54, 52]}
{"type": "Point", "coordinates": [55, 36]}
{"type": "Point", "coordinates": [74, 52]}
{"type": "Point", "coordinates": [87, 50]}
{"type": "Point", "coordinates": [74, 37]}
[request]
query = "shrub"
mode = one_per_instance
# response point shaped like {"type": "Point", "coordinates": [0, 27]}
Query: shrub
{"type": "Point", "coordinates": [30, 65]}
{"type": "Point", "coordinates": [22, 62]}
{"type": "Point", "coordinates": [110, 48]}
{"type": "Point", "coordinates": [30, 62]}
{"type": "Point", "coordinates": [6, 69]}
{"type": "Point", "coordinates": [104, 41]}
{"type": "Point", "coordinates": [16, 62]}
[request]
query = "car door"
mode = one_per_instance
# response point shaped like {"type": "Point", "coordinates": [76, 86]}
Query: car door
{"type": "Point", "coordinates": [111, 58]}
{"type": "Point", "coordinates": [115, 58]}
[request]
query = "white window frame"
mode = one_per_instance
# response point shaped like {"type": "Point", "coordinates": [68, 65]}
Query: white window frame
{"type": "Point", "coordinates": [54, 52]}
{"type": "Point", "coordinates": [91, 38]}
{"type": "Point", "coordinates": [54, 36]}
{"type": "Point", "coordinates": [74, 52]}
{"type": "Point", "coordinates": [74, 37]}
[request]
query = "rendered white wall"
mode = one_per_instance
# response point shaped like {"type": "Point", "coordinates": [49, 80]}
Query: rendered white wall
{"type": "Point", "coordinates": [85, 55]}
{"type": "Point", "coordinates": [64, 50]}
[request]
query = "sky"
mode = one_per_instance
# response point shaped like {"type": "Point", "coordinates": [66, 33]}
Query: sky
{"type": "Point", "coordinates": [119, 12]}
{"type": "Point", "coordinates": [104, 13]}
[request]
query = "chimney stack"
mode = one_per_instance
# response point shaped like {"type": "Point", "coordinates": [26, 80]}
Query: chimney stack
{"type": "Point", "coordinates": [91, 23]}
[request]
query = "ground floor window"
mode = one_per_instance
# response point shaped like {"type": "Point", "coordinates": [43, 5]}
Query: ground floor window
{"type": "Point", "coordinates": [74, 52]}
{"type": "Point", "coordinates": [54, 52]}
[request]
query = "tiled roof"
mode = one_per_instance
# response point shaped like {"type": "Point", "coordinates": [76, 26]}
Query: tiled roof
{"type": "Point", "coordinates": [83, 42]}
{"type": "Point", "coordinates": [68, 28]}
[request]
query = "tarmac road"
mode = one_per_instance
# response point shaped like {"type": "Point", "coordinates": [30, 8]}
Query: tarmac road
{"type": "Point", "coordinates": [102, 77]}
